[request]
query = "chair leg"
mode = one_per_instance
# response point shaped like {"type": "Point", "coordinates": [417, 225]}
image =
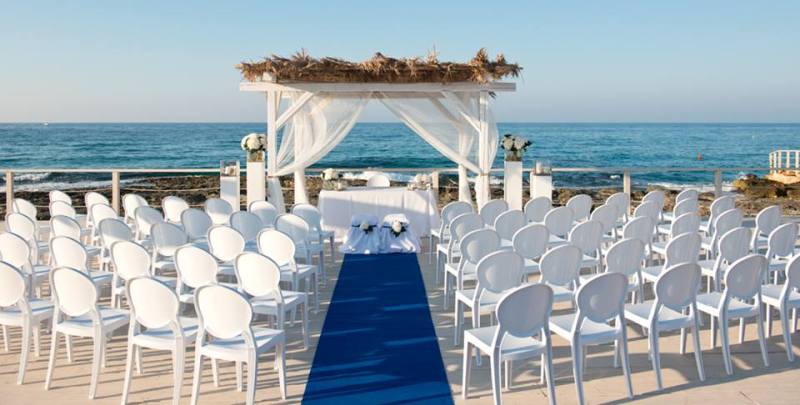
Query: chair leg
{"type": "Point", "coordinates": [742, 326]}
{"type": "Point", "coordinates": [713, 330]}
{"type": "Point", "coordinates": [333, 249]}
{"type": "Point", "coordinates": [37, 340]}
{"type": "Point", "coordinates": [459, 319]}
{"type": "Point", "coordinates": [551, 385]}
{"type": "Point", "coordinates": [316, 293]}
{"type": "Point", "coordinates": [280, 353]}
{"type": "Point", "coordinates": [761, 340]}
{"type": "Point", "coordinates": [768, 314]}
{"type": "Point", "coordinates": [25, 348]}
{"type": "Point", "coordinates": [198, 369]}
{"type": "Point", "coordinates": [178, 366]}
{"type": "Point", "coordinates": [726, 348]}
{"type": "Point", "coordinates": [128, 373]}
{"type": "Point", "coordinates": [577, 370]}
{"type": "Point", "coordinates": [97, 354]}
{"type": "Point", "coordinates": [52, 362]}
{"type": "Point", "coordinates": [508, 366]}
{"type": "Point", "coordinates": [215, 372]}
{"type": "Point", "coordinates": [698, 351]}
{"type": "Point", "coordinates": [683, 341]}
{"type": "Point", "coordinates": [5, 337]}
{"type": "Point", "coordinates": [466, 369]}
{"type": "Point", "coordinates": [541, 369]}
{"type": "Point", "coordinates": [68, 339]}
{"type": "Point", "coordinates": [655, 358]}
{"type": "Point", "coordinates": [494, 362]}
{"type": "Point", "coordinates": [238, 366]}
{"type": "Point", "coordinates": [626, 367]}
{"type": "Point", "coordinates": [787, 335]}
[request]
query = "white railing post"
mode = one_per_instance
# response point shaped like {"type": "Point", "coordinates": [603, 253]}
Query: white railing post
{"type": "Point", "coordinates": [717, 183]}
{"type": "Point", "coordinates": [771, 162]}
{"type": "Point", "coordinates": [115, 190]}
{"type": "Point", "coordinates": [9, 191]}
{"type": "Point", "coordinates": [626, 184]}
{"type": "Point", "coordinates": [435, 185]}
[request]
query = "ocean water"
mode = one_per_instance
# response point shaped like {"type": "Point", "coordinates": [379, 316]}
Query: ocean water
{"type": "Point", "coordinates": [392, 145]}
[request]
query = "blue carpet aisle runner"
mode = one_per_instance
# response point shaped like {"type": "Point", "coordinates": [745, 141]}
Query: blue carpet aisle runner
{"type": "Point", "coordinates": [378, 344]}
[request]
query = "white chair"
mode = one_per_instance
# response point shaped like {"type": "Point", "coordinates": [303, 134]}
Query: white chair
{"type": "Point", "coordinates": [688, 194]}
{"type": "Point", "coordinates": [675, 290]}
{"type": "Point", "coordinates": [599, 301]}
{"type": "Point", "coordinates": [90, 199]}
{"type": "Point", "coordinates": [681, 207]}
{"type": "Point", "coordinates": [784, 298]}
{"type": "Point", "coordinates": [279, 247]}
{"type": "Point", "coordinates": [266, 211]}
{"type": "Point", "coordinates": [155, 323]}
{"type": "Point", "coordinates": [732, 246]}
{"type": "Point", "coordinates": [497, 273]}
{"type": "Point", "coordinates": [17, 252]}
{"type": "Point", "coordinates": [77, 314]}
{"type": "Point", "coordinates": [130, 202]}
{"type": "Point", "coordinates": [450, 211]}
{"type": "Point", "coordinates": [742, 285]}
{"type": "Point", "coordinates": [167, 238]}
{"type": "Point", "coordinates": [508, 223]}
{"type": "Point", "coordinates": [522, 315]}
{"type": "Point", "coordinates": [530, 242]}
{"type": "Point", "coordinates": [780, 249]}
{"type": "Point", "coordinates": [449, 252]}
{"type": "Point", "coordinates": [314, 219]}
{"type": "Point", "coordinates": [259, 277]}
{"type": "Point", "coordinates": [492, 209]}
{"type": "Point", "coordinates": [726, 221]}
{"type": "Point", "coordinates": [641, 228]}
{"type": "Point", "coordinates": [99, 212]}
{"type": "Point", "coordinates": [473, 246]}
{"type": "Point", "coordinates": [111, 230]}
{"type": "Point", "coordinates": [588, 236]}
{"type": "Point", "coordinates": [559, 222]}
{"type": "Point", "coordinates": [17, 310]}
{"type": "Point", "coordinates": [766, 221]}
{"type": "Point", "coordinates": [131, 260]}
{"type": "Point", "coordinates": [173, 208]}
{"type": "Point", "coordinates": [196, 224]}
{"type": "Point", "coordinates": [297, 228]}
{"type": "Point", "coordinates": [607, 216]}
{"type": "Point", "coordinates": [537, 208]}
{"type": "Point", "coordinates": [622, 202]}
{"type": "Point", "coordinates": [219, 210]}
{"type": "Point", "coordinates": [658, 197]}
{"type": "Point", "coordinates": [62, 225]}
{"type": "Point", "coordinates": [580, 205]}
{"type": "Point", "coordinates": [649, 209]}
{"type": "Point", "coordinates": [68, 252]}
{"type": "Point", "coordinates": [58, 201]}
{"type": "Point", "coordinates": [379, 180]}
{"type": "Point", "coordinates": [57, 195]}
{"type": "Point", "coordinates": [24, 227]}
{"type": "Point", "coordinates": [145, 218]}
{"type": "Point", "coordinates": [625, 257]}
{"type": "Point", "coordinates": [248, 224]}
{"type": "Point", "coordinates": [225, 316]}
{"type": "Point", "coordinates": [686, 223]}
{"type": "Point", "coordinates": [718, 206]}
{"type": "Point", "coordinates": [559, 268]}
{"type": "Point", "coordinates": [196, 268]}
{"type": "Point", "coordinates": [684, 248]}
{"type": "Point", "coordinates": [25, 207]}
{"type": "Point", "coordinates": [225, 243]}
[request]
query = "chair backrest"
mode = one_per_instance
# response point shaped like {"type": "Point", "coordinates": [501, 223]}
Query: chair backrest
{"type": "Point", "coordinates": [793, 274]}
{"type": "Point", "coordinates": [21, 225]}
{"type": "Point", "coordinates": [620, 201]}
{"type": "Point", "coordinates": [720, 205]}
{"type": "Point", "coordinates": [734, 244]}
{"type": "Point", "coordinates": [225, 243]}
{"type": "Point", "coordinates": [296, 227]}
{"type": "Point", "coordinates": [688, 194]}
{"type": "Point", "coordinates": [195, 266]}
{"type": "Point", "coordinates": [685, 206]}
{"type": "Point", "coordinates": [728, 220]}
{"type": "Point", "coordinates": [114, 230]}
{"type": "Point", "coordinates": [682, 249]}
{"type": "Point", "coordinates": [173, 207]}
{"type": "Point", "coordinates": [247, 223]}
{"type": "Point", "coordinates": [656, 196]}
{"type": "Point", "coordinates": [606, 215]}
{"type": "Point", "coordinates": [537, 208]}
{"type": "Point", "coordinates": [379, 180]}
{"type": "Point", "coordinates": [524, 311]}
{"type": "Point", "coordinates": [16, 251]}
{"type": "Point", "coordinates": [625, 257]}
{"type": "Point", "coordinates": [57, 195]}
{"type": "Point", "coordinates": [224, 313]}
{"type": "Point", "coordinates": [743, 277]}
{"type": "Point", "coordinates": [68, 252]}
{"type": "Point", "coordinates": [492, 209]}
{"type": "Point", "coordinates": [311, 214]}
{"type": "Point", "coordinates": [74, 293]}
{"type": "Point", "coordinates": [258, 275]}
{"type": "Point", "coordinates": [588, 236]}
{"type": "Point", "coordinates": [196, 223]}
{"type": "Point", "coordinates": [100, 211]}
{"type": "Point", "coordinates": [464, 224]}
{"type": "Point", "coordinates": [276, 245]}
{"type": "Point", "coordinates": [602, 297]}
{"type": "Point", "coordinates": [219, 210]}
{"type": "Point", "coordinates": [768, 219]}
{"type": "Point", "coordinates": [24, 207]}
{"type": "Point", "coordinates": [642, 228]}
{"type": "Point", "coordinates": [782, 240]}
{"type": "Point", "coordinates": [531, 241]}
{"type": "Point", "coordinates": [153, 303]}
{"type": "Point", "coordinates": [62, 225]}
{"type": "Point", "coordinates": [688, 222]}
{"type": "Point", "coordinates": [167, 238]}
{"type": "Point", "coordinates": [62, 208]}
{"type": "Point", "coordinates": [91, 198]}
{"type": "Point", "coordinates": [560, 265]}
{"type": "Point", "coordinates": [130, 260]}
{"type": "Point", "coordinates": [509, 222]}
{"type": "Point", "coordinates": [130, 202]}
{"type": "Point", "coordinates": [146, 217]}
{"type": "Point", "coordinates": [580, 204]}
{"type": "Point", "coordinates": [12, 285]}
{"type": "Point", "coordinates": [265, 210]}
{"type": "Point", "coordinates": [500, 271]}
{"type": "Point", "coordinates": [559, 221]}
{"type": "Point", "coordinates": [677, 286]}
{"type": "Point", "coordinates": [454, 209]}
{"type": "Point", "coordinates": [477, 244]}
{"type": "Point", "coordinates": [650, 209]}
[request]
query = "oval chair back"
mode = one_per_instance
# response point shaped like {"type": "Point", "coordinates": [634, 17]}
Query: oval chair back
{"type": "Point", "coordinates": [650, 209]}
{"type": "Point", "coordinates": [173, 208]}
{"type": "Point", "coordinates": [130, 202]}
{"type": "Point", "coordinates": [588, 236]}
{"type": "Point", "coordinates": [642, 228]}
{"type": "Point", "coordinates": [278, 246]}
{"type": "Point", "coordinates": [62, 225]}
{"type": "Point", "coordinates": [265, 211]}
{"type": "Point", "coordinates": [196, 223]}
{"type": "Point", "coordinates": [625, 257]}
{"type": "Point", "coordinates": [531, 241]}
{"type": "Point", "coordinates": [560, 265]}
{"type": "Point", "coordinates": [781, 241]}
{"type": "Point", "coordinates": [247, 223]}
{"type": "Point", "coordinates": [74, 293]}
{"type": "Point", "coordinates": [130, 260]}
{"type": "Point", "coordinates": [685, 223]}
{"type": "Point", "coordinates": [676, 287]}
{"type": "Point", "coordinates": [743, 279]}
{"type": "Point", "coordinates": [688, 194]}
{"type": "Point", "coordinates": [620, 201]}
{"type": "Point", "coordinates": [499, 272]}
{"type": "Point", "coordinates": [195, 267]}
{"type": "Point", "coordinates": [219, 210]}
{"type": "Point", "coordinates": [224, 313]}
{"type": "Point", "coordinates": [580, 204]}
{"type": "Point", "coordinates": [62, 208]}
{"type": "Point", "coordinates": [537, 208]}
{"type": "Point", "coordinates": [492, 209]}
{"type": "Point", "coordinates": [602, 298]}
{"type": "Point", "coordinates": [153, 304]}
{"type": "Point", "coordinates": [682, 249]}
{"type": "Point", "coordinates": [607, 216]}
{"type": "Point", "coordinates": [57, 195]}
{"type": "Point", "coordinates": [68, 252]}
{"type": "Point", "coordinates": [225, 243]}
{"type": "Point", "coordinates": [258, 276]}
{"type": "Point", "coordinates": [509, 222]}
{"type": "Point", "coordinates": [559, 221]}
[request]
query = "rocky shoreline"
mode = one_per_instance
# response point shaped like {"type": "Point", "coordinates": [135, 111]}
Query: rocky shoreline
{"type": "Point", "coordinates": [753, 194]}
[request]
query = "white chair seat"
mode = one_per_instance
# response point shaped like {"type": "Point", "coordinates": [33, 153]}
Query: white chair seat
{"type": "Point", "coordinates": [771, 294]}
{"type": "Point", "coordinates": [777, 264]}
{"type": "Point", "coordinates": [659, 248]}
{"type": "Point", "coordinates": [92, 251]}
{"type": "Point", "coordinates": [110, 318]}
{"type": "Point", "coordinates": [287, 274]}
{"type": "Point", "coordinates": [101, 278]}
{"type": "Point", "coordinates": [705, 243]}
{"type": "Point", "coordinates": [556, 241]}
{"type": "Point", "coordinates": [164, 265]}
{"type": "Point", "coordinates": [269, 306]}
{"type": "Point", "coordinates": [709, 303]}
{"type": "Point", "coordinates": [169, 281]}
{"type": "Point", "coordinates": [706, 267]}
{"type": "Point", "coordinates": [589, 261]}
{"type": "Point", "coordinates": [236, 349]}
{"type": "Point", "coordinates": [705, 227]}
{"type": "Point", "coordinates": [312, 248]}
{"type": "Point", "coordinates": [591, 332]}
{"type": "Point", "coordinates": [40, 309]}
{"type": "Point", "coordinates": [487, 302]}
{"type": "Point", "coordinates": [531, 267]}
{"type": "Point", "coordinates": [188, 297]}
{"type": "Point", "coordinates": [651, 273]}
{"type": "Point", "coordinates": [41, 272]}
{"type": "Point", "coordinates": [663, 229]}
{"type": "Point", "coordinates": [667, 318]}
{"type": "Point", "coordinates": [226, 270]}
{"type": "Point", "coordinates": [512, 348]}
{"type": "Point", "coordinates": [164, 338]}
{"type": "Point", "coordinates": [561, 294]}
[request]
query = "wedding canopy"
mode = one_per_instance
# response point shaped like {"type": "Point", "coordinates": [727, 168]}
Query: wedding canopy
{"type": "Point", "coordinates": [313, 104]}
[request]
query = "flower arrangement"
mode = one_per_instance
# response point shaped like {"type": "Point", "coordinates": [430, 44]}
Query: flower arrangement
{"type": "Point", "coordinates": [255, 145]}
{"type": "Point", "coordinates": [366, 227]}
{"type": "Point", "coordinates": [397, 228]}
{"type": "Point", "coordinates": [514, 145]}
{"type": "Point", "coordinates": [331, 180]}
{"type": "Point", "coordinates": [420, 182]}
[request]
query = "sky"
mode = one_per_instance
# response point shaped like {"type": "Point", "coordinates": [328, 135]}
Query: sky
{"type": "Point", "coordinates": [612, 61]}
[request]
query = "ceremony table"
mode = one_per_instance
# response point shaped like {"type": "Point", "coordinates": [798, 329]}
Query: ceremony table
{"type": "Point", "coordinates": [338, 207]}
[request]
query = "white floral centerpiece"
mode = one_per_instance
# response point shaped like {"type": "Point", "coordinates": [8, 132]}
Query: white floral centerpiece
{"type": "Point", "coordinates": [515, 146]}
{"type": "Point", "coordinates": [397, 228]}
{"type": "Point", "coordinates": [332, 180]}
{"type": "Point", "coordinates": [255, 145]}
{"type": "Point", "coordinates": [366, 227]}
{"type": "Point", "coordinates": [420, 182]}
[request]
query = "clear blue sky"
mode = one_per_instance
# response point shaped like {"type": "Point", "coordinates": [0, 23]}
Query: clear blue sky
{"type": "Point", "coordinates": [717, 61]}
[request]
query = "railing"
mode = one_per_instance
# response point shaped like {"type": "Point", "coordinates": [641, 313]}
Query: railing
{"type": "Point", "coordinates": [785, 160]}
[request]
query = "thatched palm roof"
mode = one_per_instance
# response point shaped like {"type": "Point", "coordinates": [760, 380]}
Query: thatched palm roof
{"type": "Point", "coordinates": [301, 67]}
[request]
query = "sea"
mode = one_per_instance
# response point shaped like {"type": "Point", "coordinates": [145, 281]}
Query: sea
{"type": "Point", "coordinates": [393, 145]}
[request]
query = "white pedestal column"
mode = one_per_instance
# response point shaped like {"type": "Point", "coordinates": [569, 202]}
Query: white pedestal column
{"type": "Point", "coordinates": [256, 182]}
{"type": "Point", "coordinates": [512, 185]}
{"type": "Point", "coordinates": [541, 186]}
{"type": "Point", "coordinates": [229, 189]}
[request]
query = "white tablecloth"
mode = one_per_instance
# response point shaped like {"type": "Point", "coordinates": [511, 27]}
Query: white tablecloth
{"type": "Point", "coordinates": [338, 207]}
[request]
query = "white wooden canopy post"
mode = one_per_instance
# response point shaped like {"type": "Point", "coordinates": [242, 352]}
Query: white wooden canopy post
{"type": "Point", "coordinates": [482, 190]}
{"type": "Point", "coordinates": [275, 192]}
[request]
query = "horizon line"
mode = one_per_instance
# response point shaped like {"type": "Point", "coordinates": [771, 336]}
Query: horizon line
{"type": "Point", "coordinates": [400, 122]}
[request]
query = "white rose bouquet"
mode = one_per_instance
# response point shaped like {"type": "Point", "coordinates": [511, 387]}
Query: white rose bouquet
{"type": "Point", "coordinates": [331, 179]}
{"type": "Point", "coordinates": [514, 145]}
{"type": "Point", "coordinates": [255, 145]}
{"type": "Point", "coordinates": [420, 182]}
{"type": "Point", "coordinates": [366, 227]}
{"type": "Point", "coordinates": [397, 228]}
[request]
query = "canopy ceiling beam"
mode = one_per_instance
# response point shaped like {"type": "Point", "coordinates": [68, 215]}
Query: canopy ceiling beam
{"type": "Point", "coordinates": [382, 87]}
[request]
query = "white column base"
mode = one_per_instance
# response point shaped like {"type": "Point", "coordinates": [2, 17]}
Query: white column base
{"type": "Point", "coordinates": [512, 185]}
{"type": "Point", "coordinates": [256, 182]}
{"type": "Point", "coordinates": [541, 186]}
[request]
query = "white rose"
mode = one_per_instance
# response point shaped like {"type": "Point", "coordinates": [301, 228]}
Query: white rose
{"type": "Point", "coordinates": [519, 143]}
{"type": "Point", "coordinates": [508, 143]}
{"type": "Point", "coordinates": [397, 227]}
{"type": "Point", "coordinates": [425, 179]}
{"type": "Point", "coordinates": [364, 226]}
